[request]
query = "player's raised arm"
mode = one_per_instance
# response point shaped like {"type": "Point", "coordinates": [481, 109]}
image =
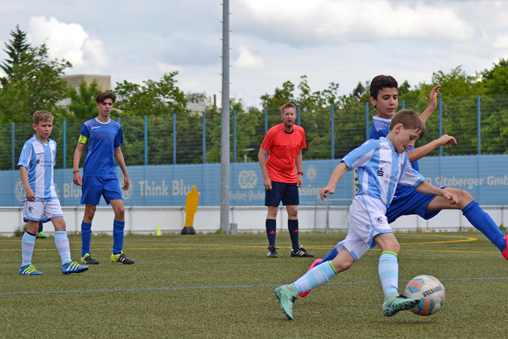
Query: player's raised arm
{"type": "Point", "coordinates": [420, 152]}
{"type": "Point", "coordinates": [425, 187]}
{"type": "Point", "coordinates": [432, 104]}
{"type": "Point", "coordinates": [337, 174]}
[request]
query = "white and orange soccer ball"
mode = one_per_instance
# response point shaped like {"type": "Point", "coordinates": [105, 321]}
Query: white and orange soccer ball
{"type": "Point", "coordinates": [429, 290]}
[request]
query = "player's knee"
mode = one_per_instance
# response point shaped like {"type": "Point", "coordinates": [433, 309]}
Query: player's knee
{"type": "Point", "coordinates": [342, 266]}
{"type": "Point", "coordinates": [292, 212]}
{"type": "Point", "coordinates": [120, 211]}
{"type": "Point", "coordinates": [464, 198]}
{"type": "Point", "coordinates": [272, 212]}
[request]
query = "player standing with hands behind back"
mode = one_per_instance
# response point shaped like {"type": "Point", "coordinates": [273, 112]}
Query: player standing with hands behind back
{"type": "Point", "coordinates": [103, 138]}
{"type": "Point", "coordinates": [284, 143]}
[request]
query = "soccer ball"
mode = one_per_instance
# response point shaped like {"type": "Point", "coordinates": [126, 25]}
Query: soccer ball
{"type": "Point", "coordinates": [429, 290]}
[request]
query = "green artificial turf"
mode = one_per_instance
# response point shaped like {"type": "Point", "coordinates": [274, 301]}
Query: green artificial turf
{"type": "Point", "coordinates": [221, 286]}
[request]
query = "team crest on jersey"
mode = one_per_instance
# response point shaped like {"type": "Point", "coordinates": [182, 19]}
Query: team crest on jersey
{"type": "Point", "coordinates": [379, 220]}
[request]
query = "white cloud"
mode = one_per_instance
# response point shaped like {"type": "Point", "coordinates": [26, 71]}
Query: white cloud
{"type": "Point", "coordinates": [167, 68]}
{"type": "Point", "coordinates": [501, 41]}
{"type": "Point", "coordinates": [305, 23]}
{"type": "Point", "coordinates": [248, 60]}
{"type": "Point", "coordinates": [68, 41]}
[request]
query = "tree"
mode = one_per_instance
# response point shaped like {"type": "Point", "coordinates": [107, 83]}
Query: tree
{"type": "Point", "coordinates": [83, 104]}
{"type": "Point", "coordinates": [496, 79]}
{"type": "Point", "coordinates": [16, 51]}
{"type": "Point", "coordinates": [34, 84]}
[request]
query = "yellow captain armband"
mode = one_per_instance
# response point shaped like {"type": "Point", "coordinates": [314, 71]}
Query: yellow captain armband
{"type": "Point", "coordinates": [82, 139]}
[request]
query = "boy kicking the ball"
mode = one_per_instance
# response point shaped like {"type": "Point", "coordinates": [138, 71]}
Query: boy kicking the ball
{"type": "Point", "coordinates": [382, 164]}
{"type": "Point", "coordinates": [40, 199]}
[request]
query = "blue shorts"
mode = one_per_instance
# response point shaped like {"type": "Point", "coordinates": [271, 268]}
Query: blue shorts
{"type": "Point", "coordinates": [94, 187]}
{"type": "Point", "coordinates": [409, 202]}
{"type": "Point", "coordinates": [288, 193]}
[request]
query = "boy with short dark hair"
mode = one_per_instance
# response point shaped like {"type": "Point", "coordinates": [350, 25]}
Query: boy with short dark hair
{"type": "Point", "coordinates": [382, 164]}
{"type": "Point", "coordinates": [103, 138]}
{"type": "Point", "coordinates": [40, 200]}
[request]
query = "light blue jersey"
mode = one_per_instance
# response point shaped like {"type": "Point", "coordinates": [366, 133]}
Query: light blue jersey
{"type": "Point", "coordinates": [39, 160]}
{"type": "Point", "coordinates": [380, 168]}
{"type": "Point", "coordinates": [100, 139]}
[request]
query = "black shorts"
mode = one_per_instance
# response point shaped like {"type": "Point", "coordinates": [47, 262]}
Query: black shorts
{"type": "Point", "coordinates": [288, 193]}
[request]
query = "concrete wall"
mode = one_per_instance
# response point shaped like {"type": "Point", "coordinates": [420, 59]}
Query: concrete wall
{"type": "Point", "coordinates": [144, 220]}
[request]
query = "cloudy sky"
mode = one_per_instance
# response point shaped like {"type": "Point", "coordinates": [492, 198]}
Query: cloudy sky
{"type": "Point", "coordinates": [272, 41]}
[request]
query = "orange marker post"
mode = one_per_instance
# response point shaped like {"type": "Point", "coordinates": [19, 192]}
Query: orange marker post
{"type": "Point", "coordinates": [191, 207]}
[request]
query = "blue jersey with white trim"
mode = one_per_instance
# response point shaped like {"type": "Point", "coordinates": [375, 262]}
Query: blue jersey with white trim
{"type": "Point", "coordinates": [380, 169]}
{"type": "Point", "coordinates": [39, 159]}
{"type": "Point", "coordinates": [100, 139]}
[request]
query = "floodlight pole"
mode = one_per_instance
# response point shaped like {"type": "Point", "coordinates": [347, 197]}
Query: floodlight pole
{"type": "Point", "coordinates": [224, 163]}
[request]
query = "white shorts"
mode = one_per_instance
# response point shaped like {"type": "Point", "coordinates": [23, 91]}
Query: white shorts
{"type": "Point", "coordinates": [41, 210]}
{"type": "Point", "coordinates": [366, 220]}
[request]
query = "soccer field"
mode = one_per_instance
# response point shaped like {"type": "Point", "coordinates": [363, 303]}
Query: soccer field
{"type": "Point", "coordinates": [221, 286]}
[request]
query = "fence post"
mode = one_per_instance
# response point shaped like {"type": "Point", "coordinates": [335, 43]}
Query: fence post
{"type": "Point", "coordinates": [204, 138]}
{"type": "Point", "coordinates": [440, 124]}
{"type": "Point", "coordinates": [64, 144]}
{"type": "Point", "coordinates": [403, 104]}
{"type": "Point", "coordinates": [479, 125]}
{"type": "Point", "coordinates": [234, 136]}
{"type": "Point", "coordinates": [12, 143]}
{"type": "Point", "coordinates": [298, 114]}
{"type": "Point", "coordinates": [146, 140]}
{"type": "Point", "coordinates": [266, 120]}
{"type": "Point", "coordinates": [367, 120]}
{"type": "Point", "coordinates": [333, 131]}
{"type": "Point", "coordinates": [174, 138]}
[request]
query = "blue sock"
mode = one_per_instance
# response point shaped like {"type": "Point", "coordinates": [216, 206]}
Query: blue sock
{"type": "Point", "coordinates": [317, 276]}
{"type": "Point", "coordinates": [388, 270]}
{"type": "Point", "coordinates": [118, 233]}
{"type": "Point", "coordinates": [271, 231]}
{"type": "Point", "coordinates": [27, 248]}
{"type": "Point", "coordinates": [62, 245]}
{"type": "Point", "coordinates": [86, 238]}
{"type": "Point", "coordinates": [484, 223]}
{"type": "Point", "coordinates": [293, 232]}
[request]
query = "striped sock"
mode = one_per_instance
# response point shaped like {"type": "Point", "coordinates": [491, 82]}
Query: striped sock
{"type": "Point", "coordinates": [317, 276]}
{"type": "Point", "coordinates": [27, 248]}
{"type": "Point", "coordinates": [62, 245]}
{"type": "Point", "coordinates": [388, 270]}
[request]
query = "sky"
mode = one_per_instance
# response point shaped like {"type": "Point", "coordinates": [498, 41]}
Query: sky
{"type": "Point", "coordinates": [271, 41]}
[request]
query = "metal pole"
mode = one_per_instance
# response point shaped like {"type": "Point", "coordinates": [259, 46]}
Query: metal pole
{"type": "Point", "coordinates": [479, 126]}
{"type": "Point", "coordinates": [12, 143]}
{"type": "Point", "coordinates": [174, 138]}
{"type": "Point", "coordinates": [234, 136]}
{"type": "Point", "coordinates": [266, 120]}
{"type": "Point", "coordinates": [298, 113]}
{"type": "Point", "coordinates": [64, 144]}
{"type": "Point", "coordinates": [333, 132]}
{"type": "Point", "coordinates": [204, 137]}
{"type": "Point", "coordinates": [440, 124]}
{"type": "Point", "coordinates": [403, 104]}
{"type": "Point", "coordinates": [225, 138]}
{"type": "Point", "coordinates": [146, 140]}
{"type": "Point", "coordinates": [366, 121]}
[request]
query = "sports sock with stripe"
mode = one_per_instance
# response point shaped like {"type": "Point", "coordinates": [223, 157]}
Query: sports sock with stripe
{"type": "Point", "coordinates": [27, 248]}
{"type": "Point", "coordinates": [271, 231]}
{"type": "Point", "coordinates": [388, 270]}
{"type": "Point", "coordinates": [317, 276]}
{"type": "Point", "coordinates": [62, 245]}
{"type": "Point", "coordinates": [293, 232]}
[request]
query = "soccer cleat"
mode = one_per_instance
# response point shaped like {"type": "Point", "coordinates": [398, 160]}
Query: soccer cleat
{"type": "Point", "coordinates": [41, 235]}
{"type": "Point", "coordinates": [121, 258]}
{"type": "Point", "coordinates": [397, 304]}
{"type": "Point", "coordinates": [317, 261]}
{"type": "Point", "coordinates": [301, 252]}
{"type": "Point", "coordinates": [272, 252]}
{"type": "Point", "coordinates": [286, 300]}
{"type": "Point", "coordinates": [29, 270]}
{"type": "Point", "coordinates": [73, 267]}
{"type": "Point", "coordinates": [89, 260]}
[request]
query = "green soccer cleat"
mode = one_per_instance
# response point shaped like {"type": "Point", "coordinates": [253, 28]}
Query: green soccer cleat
{"type": "Point", "coordinates": [89, 260]}
{"type": "Point", "coordinates": [397, 304]}
{"type": "Point", "coordinates": [286, 299]}
{"type": "Point", "coordinates": [121, 258]}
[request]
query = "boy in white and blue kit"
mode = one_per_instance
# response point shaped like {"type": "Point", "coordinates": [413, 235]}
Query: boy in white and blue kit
{"type": "Point", "coordinates": [40, 200]}
{"type": "Point", "coordinates": [382, 164]}
{"type": "Point", "coordinates": [103, 138]}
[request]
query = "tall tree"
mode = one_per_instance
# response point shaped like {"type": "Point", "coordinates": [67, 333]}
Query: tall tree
{"type": "Point", "coordinates": [16, 50]}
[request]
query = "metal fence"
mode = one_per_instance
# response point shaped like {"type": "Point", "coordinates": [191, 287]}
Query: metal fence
{"type": "Point", "coordinates": [480, 125]}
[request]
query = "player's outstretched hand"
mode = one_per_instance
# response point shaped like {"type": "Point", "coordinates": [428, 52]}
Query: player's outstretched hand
{"type": "Point", "coordinates": [126, 183]}
{"type": "Point", "coordinates": [433, 96]}
{"type": "Point", "coordinates": [447, 140]}
{"type": "Point", "coordinates": [76, 177]}
{"type": "Point", "coordinates": [326, 191]}
{"type": "Point", "coordinates": [451, 197]}
{"type": "Point", "coordinates": [267, 183]}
